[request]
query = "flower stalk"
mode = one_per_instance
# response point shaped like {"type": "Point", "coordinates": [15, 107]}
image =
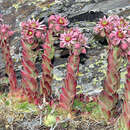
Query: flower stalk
{"type": "Point", "coordinates": [74, 40]}
{"type": "Point", "coordinates": [56, 26]}
{"type": "Point", "coordinates": [32, 35]}
{"type": "Point", "coordinates": [5, 34]}
{"type": "Point", "coordinates": [113, 29]}
{"type": "Point", "coordinates": [47, 67]}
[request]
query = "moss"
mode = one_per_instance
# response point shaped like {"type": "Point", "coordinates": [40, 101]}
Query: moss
{"type": "Point", "coordinates": [49, 120]}
{"type": "Point", "coordinates": [26, 107]}
{"type": "Point", "coordinates": [78, 104]}
{"type": "Point", "coordinates": [90, 106]}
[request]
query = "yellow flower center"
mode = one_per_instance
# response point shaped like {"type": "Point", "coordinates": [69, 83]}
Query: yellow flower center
{"type": "Point", "coordinates": [120, 34]}
{"type": "Point", "coordinates": [104, 23]}
{"type": "Point", "coordinates": [67, 39]}
{"type": "Point", "coordinates": [33, 25]}
{"type": "Point", "coordinates": [30, 33]}
{"type": "Point", "coordinates": [61, 21]}
{"type": "Point", "coordinates": [122, 22]}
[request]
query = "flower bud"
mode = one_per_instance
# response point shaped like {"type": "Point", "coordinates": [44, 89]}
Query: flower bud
{"type": "Point", "coordinates": [124, 46]}
{"type": "Point", "coordinates": [62, 45]}
{"type": "Point", "coordinates": [10, 33]}
{"type": "Point", "coordinates": [77, 45]}
{"type": "Point", "coordinates": [38, 34]}
{"type": "Point", "coordinates": [83, 51]}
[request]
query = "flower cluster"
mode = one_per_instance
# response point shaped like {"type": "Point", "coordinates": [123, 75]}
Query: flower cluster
{"type": "Point", "coordinates": [106, 25]}
{"type": "Point", "coordinates": [57, 23]}
{"type": "Point", "coordinates": [32, 29]}
{"type": "Point", "coordinates": [5, 32]}
{"type": "Point", "coordinates": [116, 29]}
{"type": "Point", "coordinates": [73, 39]}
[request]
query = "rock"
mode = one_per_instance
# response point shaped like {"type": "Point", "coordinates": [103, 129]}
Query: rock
{"type": "Point", "coordinates": [81, 13]}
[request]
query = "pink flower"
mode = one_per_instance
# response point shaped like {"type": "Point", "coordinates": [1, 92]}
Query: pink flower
{"type": "Point", "coordinates": [58, 28]}
{"type": "Point", "coordinates": [57, 19]}
{"type": "Point", "coordinates": [51, 26]}
{"type": "Point", "coordinates": [57, 22]}
{"type": "Point", "coordinates": [62, 45]}
{"type": "Point", "coordinates": [113, 18]}
{"type": "Point", "coordinates": [32, 25]}
{"type": "Point", "coordinates": [32, 29]}
{"type": "Point", "coordinates": [117, 37]}
{"type": "Point", "coordinates": [107, 25]}
{"type": "Point", "coordinates": [61, 20]}
{"type": "Point", "coordinates": [23, 24]}
{"type": "Point", "coordinates": [52, 18]}
{"type": "Point", "coordinates": [124, 46]}
{"type": "Point", "coordinates": [35, 24]}
{"type": "Point", "coordinates": [5, 31]}
{"type": "Point", "coordinates": [29, 34]}
{"type": "Point", "coordinates": [103, 25]}
{"type": "Point", "coordinates": [74, 40]}
{"type": "Point", "coordinates": [123, 23]}
{"type": "Point", "coordinates": [67, 39]}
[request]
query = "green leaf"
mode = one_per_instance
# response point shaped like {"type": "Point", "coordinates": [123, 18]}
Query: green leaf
{"type": "Point", "coordinates": [90, 106]}
{"type": "Point", "coordinates": [7, 103]}
{"type": "Point", "coordinates": [52, 52]}
{"type": "Point", "coordinates": [26, 107]}
{"type": "Point", "coordinates": [78, 104]}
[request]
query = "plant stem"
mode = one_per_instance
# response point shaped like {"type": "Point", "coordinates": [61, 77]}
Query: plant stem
{"type": "Point", "coordinates": [9, 65]}
{"type": "Point", "coordinates": [47, 67]}
{"type": "Point", "coordinates": [109, 96]}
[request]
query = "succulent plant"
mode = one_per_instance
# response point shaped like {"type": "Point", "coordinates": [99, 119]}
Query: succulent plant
{"type": "Point", "coordinates": [74, 40]}
{"type": "Point", "coordinates": [32, 35]}
{"type": "Point", "coordinates": [114, 29]}
{"type": "Point", "coordinates": [5, 34]}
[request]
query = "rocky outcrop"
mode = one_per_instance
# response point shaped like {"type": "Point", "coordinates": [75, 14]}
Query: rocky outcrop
{"type": "Point", "coordinates": [82, 14]}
